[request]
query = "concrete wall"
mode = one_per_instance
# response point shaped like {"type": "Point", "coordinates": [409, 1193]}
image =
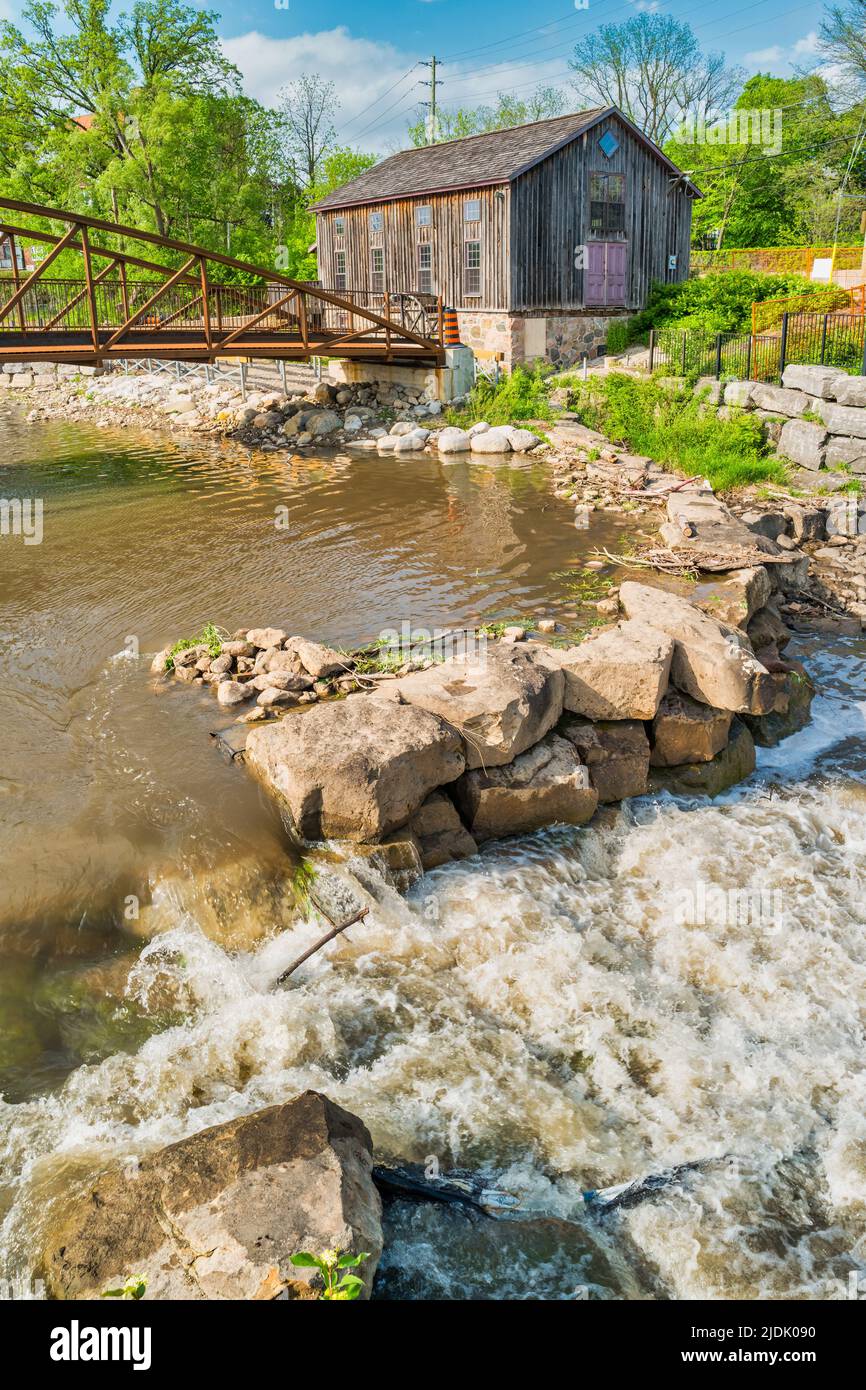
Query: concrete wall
{"type": "Point", "coordinates": [435, 383]}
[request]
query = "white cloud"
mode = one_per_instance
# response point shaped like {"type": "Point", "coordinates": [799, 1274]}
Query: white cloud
{"type": "Point", "coordinates": [363, 70]}
{"type": "Point", "coordinates": [779, 57]}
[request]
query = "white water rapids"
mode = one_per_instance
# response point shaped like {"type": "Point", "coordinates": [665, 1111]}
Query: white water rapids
{"type": "Point", "coordinates": [544, 1014]}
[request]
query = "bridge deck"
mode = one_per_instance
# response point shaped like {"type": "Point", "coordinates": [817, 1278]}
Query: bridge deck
{"type": "Point", "coordinates": [128, 306]}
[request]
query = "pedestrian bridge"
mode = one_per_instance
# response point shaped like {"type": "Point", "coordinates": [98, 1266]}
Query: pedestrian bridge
{"type": "Point", "coordinates": [188, 304]}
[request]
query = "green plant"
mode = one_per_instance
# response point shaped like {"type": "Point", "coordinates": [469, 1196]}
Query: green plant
{"type": "Point", "coordinates": [302, 883]}
{"type": "Point", "coordinates": [671, 426]}
{"type": "Point", "coordinates": [524, 395]}
{"type": "Point", "coordinates": [210, 636]}
{"type": "Point", "coordinates": [133, 1288]}
{"type": "Point", "coordinates": [338, 1288]}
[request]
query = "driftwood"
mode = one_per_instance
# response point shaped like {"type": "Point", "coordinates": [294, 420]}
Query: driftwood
{"type": "Point", "coordinates": [322, 941]}
{"type": "Point", "coordinates": [665, 491]}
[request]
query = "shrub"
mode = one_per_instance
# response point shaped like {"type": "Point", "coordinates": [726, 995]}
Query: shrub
{"type": "Point", "coordinates": [672, 427]}
{"type": "Point", "coordinates": [720, 302]}
{"type": "Point", "coordinates": [524, 395]}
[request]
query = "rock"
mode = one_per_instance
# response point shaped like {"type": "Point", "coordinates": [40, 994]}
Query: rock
{"type": "Point", "coordinates": [157, 666]}
{"type": "Point", "coordinates": [480, 427]}
{"type": "Point", "coordinates": [265, 637]}
{"type": "Point", "coordinates": [233, 692]}
{"type": "Point", "coordinates": [849, 390]}
{"type": "Point", "coordinates": [709, 389]}
{"type": "Point", "coordinates": [779, 400]}
{"type": "Point", "coordinates": [615, 752]}
{"type": "Point", "coordinates": [769, 524]}
{"type": "Point", "coordinates": [403, 427]}
{"type": "Point", "coordinates": [440, 833]}
{"type": "Point", "coordinates": [282, 680]}
{"type": "Point", "coordinates": [739, 393]}
{"type": "Point", "coordinates": [735, 598]}
{"type": "Point", "coordinates": [185, 673]}
{"type": "Point", "coordinates": [685, 731]}
{"type": "Point", "coordinates": [815, 381]}
{"type": "Point", "coordinates": [276, 695]}
{"type": "Point", "coordinates": [221, 664]}
{"type": "Point", "coordinates": [544, 786]}
{"type": "Point", "coordinates": [453, 441]}
{"type": "Point", "coordinates": [844, 450]}
{"type": "Point", "coordinates": [620, 674]}
{"type": "Point", "coordinates": [355, 769]}
{"type": "Point", "coordinates": [769, 729]}
{"type": "Point", "coordinates": [766, 629]}
{"type": "Point", "coordinates": [522, 440]}
{"type": "Point", "coordinates": [189, 656]}
{"type": "Point", "coordinates": [324, 423]}
{"type": "Point", "coordinates": [412, 443]}
{"type": "Point", "coordinates": [807, 523]}
{"type": "Point", "coordinates": [803, 442]}
{"type": "Point", "coordinates": [844, 419]}
{"type": "Point", "coordinates": [514, 634]}
{"type": "Point", "coordinates": [491, 441]}
{"type": "Point", "coordinates": [318, 660]}
{"type": "Point", "coordinates": [733, 764]}
{"type": "Point", "coordinates": [220, 1214]}
{"type": "Point", "coordinates": [500, 703]}
{"type": "Point", "coordinates": [710, 662]}
{"type": "Point", "coordinates": [546, 625]}
{"type": "Point", "coordinates": [386, 443]}
{"type": "Point", "coordinates": [698, 518]}
{"type": "Point", "coordinates": [324, 393]}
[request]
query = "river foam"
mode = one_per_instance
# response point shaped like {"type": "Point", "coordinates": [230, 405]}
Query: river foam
{"type": "Point", "coordinates": [553, 1014]}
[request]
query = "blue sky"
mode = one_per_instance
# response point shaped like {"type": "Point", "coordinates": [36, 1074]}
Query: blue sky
{"type": "Point", "coordinates": [369, 48]}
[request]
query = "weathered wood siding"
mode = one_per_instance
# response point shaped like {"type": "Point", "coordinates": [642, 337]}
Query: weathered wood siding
{"type": "Point", "coordinates": [399, 239]}
{"type": "Point", "coordinates": [550, 220]}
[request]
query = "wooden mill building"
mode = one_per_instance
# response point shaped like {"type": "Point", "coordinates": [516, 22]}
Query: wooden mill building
{"type": "Point", "coordinates": [537, 235]}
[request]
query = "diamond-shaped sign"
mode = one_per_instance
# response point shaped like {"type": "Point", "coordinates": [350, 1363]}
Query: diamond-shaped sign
{"type": "Point", "coordinates": [608, 144]}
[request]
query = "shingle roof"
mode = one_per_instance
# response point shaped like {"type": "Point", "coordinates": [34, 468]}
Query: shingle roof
{"type": "Point", "coordinates": [476, 159]}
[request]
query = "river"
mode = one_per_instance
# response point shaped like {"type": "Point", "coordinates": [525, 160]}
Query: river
{"type": "Point", "coordinates": [543, 1014]}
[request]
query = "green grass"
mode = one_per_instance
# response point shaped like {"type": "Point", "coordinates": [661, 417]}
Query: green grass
{"type": "Point", "coordinates": [669, 426]}
{"type": "Point", "coordinates": [524, 395]}
{"type": "Point", "coordinates": [210, 637]}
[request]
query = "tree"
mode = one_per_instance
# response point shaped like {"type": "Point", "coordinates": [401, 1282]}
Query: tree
{"type": "Point", "coordinates": [651, 67]}
{"type": "Point", "coordinates": [843, 37]}
{"type": "Point", "coordinates": [478, 120]}
{"type": "Point", "coordinates": [776, 195]}
{"type": "Point", "coordinates": [308, 108]}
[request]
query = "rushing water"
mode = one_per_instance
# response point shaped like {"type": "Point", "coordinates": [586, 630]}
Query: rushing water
{"type": "Point", "coordinates": [543, 1014]}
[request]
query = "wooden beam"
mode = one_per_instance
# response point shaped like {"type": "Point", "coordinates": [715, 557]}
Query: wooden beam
{"type": "Point", "coordinates": [139, 313]}
{"type": "Point", "coordinates": [37, 273]}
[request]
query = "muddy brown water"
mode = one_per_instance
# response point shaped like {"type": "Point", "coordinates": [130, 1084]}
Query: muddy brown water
{"type": "Point", "coordinates": [543, 1014]}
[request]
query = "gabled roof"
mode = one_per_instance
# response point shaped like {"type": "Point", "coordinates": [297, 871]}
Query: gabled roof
{"type": "Point", "coordinates": [474, 161]}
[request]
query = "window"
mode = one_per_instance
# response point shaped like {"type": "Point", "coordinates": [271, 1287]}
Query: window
{"type": "Point", "coordinates": [608, 144]}
{"type": "Point", "coordinates": [472, 210]}
{"type": "Point", "coordinates": [376, 221]}
{"type": "Point", "coordinates": [424, 215]}
{"type": "Point", "coordinates": [339, 226]}
{"type": "Point", "coordinates": [6, 256]}
{"type": "Point", "coordinates": [472, 267]}
{"type": "Point", "coordinates": [425, 268]}
{"type": "Point", "coordinates": [377, 270]}
{"type": "Point", "coordinates": [340, 276]}
{"type": "Point", "coordinates": [607, 205]}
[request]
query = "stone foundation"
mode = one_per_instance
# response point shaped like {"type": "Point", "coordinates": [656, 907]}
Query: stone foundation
{"type": "Point", "coordinates": [562, 339]}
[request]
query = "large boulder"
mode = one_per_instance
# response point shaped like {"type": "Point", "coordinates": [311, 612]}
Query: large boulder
{"type": "Point", "coordinates": [543, 787]}
{"type": "Point", "coordinates": [779, 400]}
{"type": "Point", "coordinates": [733, 764]}
{"type": "Point", "coordinates": [711, 662]}
{"type": "Point", "coordinates": [615, 752]}
{"type": "Point", "coordinates": [842, 450]}
{"type": "Point", "coordinates": [492, 441]}
{"type": "Point", "coordinates": [700, 521]}
{"type": "Point", "coordinates": [317, 660]}
{"type": "Point", "coordinates": [453, 441]}
{"type": "Point", "coordinates": [815, 381]}
{"type": "Point", "coordinates": [685, 731]}
{"type": "Point", "coordinates": [849, 390]}
{"type": "Point", "coordinates": [792, 712]}
{"type": "Point", "coordinates": [804, 443]}
{"type": "Point", "coordinates": [844, 419]}
{"type": "Point", "coordinates": [739, 393]}
{"type": "Point", "coordinates": [220, 1214]}
{"type": "Point", "coordinates": [500, 701]}
{"type": "Point", "coordinates": [734, 599]}
{"type": "Point", "coordinates": [355, 769]}
{"type": "Point", "coordinates": [620, 674]}
{"type": "Point", "coordinates": [440, 833]}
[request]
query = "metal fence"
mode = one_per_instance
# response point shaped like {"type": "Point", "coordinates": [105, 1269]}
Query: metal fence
{"type": "Point", "coordinates": [833, 340]}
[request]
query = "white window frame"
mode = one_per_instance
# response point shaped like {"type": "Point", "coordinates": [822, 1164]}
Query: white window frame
{"type": "Point", "coordinates": [472, 210]}
{"type": "Point", "coordinates": [425, 270]}
{"type": "Point", "coordinates": [340, 281]}
{"type": "Point", "coordinates": [377, 253]}
{"type": "Point", "coordinates": [377, 221]}
{"type": "Point", "coordinates": [424, 215]}
{"type": "Point", "coordinates": [469, 270]}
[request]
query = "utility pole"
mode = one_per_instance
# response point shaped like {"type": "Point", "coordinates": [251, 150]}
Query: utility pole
{"type": "Point", "coordinates": [434, 82]}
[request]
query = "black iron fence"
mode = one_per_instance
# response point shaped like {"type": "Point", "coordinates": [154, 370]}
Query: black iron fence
{"type": "Point", "coordinates": [833, 340]}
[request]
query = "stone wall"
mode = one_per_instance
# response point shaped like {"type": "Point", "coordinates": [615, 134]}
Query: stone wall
{"type": "Point", "coordinates": [23, 374]}
{"type": "Point", "coordinates": [816, 418]}
{"type": "Point", "coordinates": [563, 339]}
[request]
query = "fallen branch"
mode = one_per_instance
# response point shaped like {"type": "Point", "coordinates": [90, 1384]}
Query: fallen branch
{"type": "Point", "coordinates": [322, 941]}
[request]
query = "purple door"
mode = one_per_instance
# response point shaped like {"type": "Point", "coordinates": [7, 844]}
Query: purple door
{"type": "Point", "coordinates": [615, 273]}
{"type": "Point", "coordinates": [605, 272]}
